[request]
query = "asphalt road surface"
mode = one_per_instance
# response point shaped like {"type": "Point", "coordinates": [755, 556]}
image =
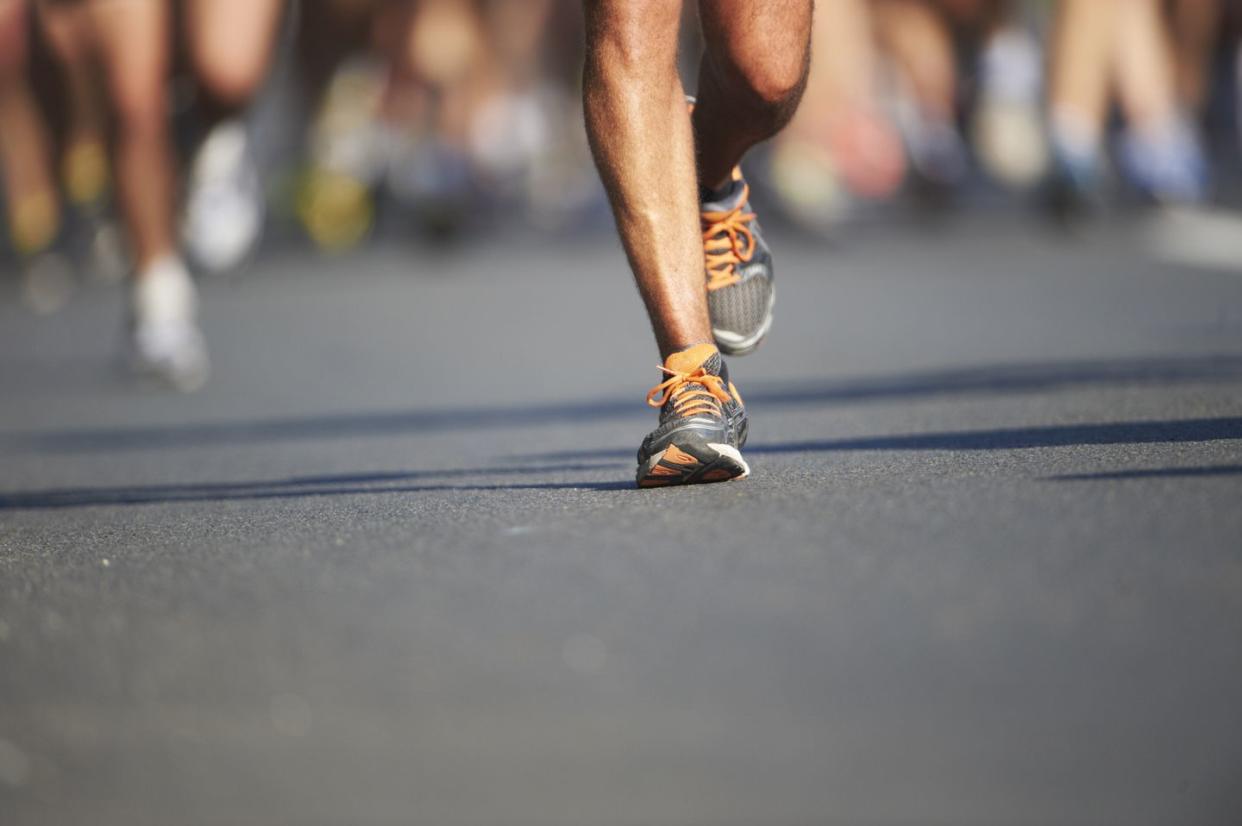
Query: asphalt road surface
{"type": "Point", "coordinates": [388, 567]}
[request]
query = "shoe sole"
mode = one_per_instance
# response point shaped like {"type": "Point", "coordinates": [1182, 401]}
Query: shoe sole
{"type": "Point", "coordinates": [183, 381]}
{"type": "Point", "coordinates": [693, 464]}
{"type": "Point", "coordinates": [157, 374]}
{"type": "Point", "coordinates": [732, 344]}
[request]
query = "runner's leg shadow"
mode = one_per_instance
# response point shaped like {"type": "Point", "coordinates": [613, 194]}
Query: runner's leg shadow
{"type": "Point", "coordinates": [1171, 431]}
{"type": "Point", "coordinates": [995, 379]}
{"type": "Point", "coordinates": [306, 486]}
{"type": "Point", "coordinates": [1193, 472]}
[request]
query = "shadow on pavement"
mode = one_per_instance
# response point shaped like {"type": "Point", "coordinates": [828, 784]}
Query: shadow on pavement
{"type": "Point", "coordinates": [1152, 473]}
{"type": "Point", "coordinates": [301, 486]}
{"type": "Point", "coordinates": [989, 379]}
{"type": "Point", "coordinates": [1014, 438]}
{"type": "Point", "coordinates": [1155, 432]}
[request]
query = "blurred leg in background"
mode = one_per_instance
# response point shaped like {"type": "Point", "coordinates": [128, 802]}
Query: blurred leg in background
{"type": "Point", "coordinates": [515, 111]}
{"type": "Point", "coordinates": [916, 35]}
{"type": "Point", "coordinates": [1194, 29]}
{"type": "Point", "coordinates": [1160, 150]}
{"type": "Point", "coordinates": [434, 105]}
{"type": "Point", "coordinates": [842, 145]}
{"type": "Point", "coordinates": [231, 45]}
{"type": "Point", "coordinates": [1106, 50]}
{"type": "Point", "coordinates": [84, 163]}
{"type": "Point", "coordinates": [439, 111]}
{"type": "Point", "coordinates": [1007, 128]}
{"type": "Point", "coordinates": [67, 27]}
{"type": "Point", "coordinates": [343, 81]}
{"type": "Point", "coordinates": [25, 157]}
{"type": "Point", "coordinates": [437, 77]}
{"type": "Point", "coordinates": [36, 219]}
{"type": "Point", "coordinates": [1079, 94]}
{"type": "Point", "coordinates": [132, 38]}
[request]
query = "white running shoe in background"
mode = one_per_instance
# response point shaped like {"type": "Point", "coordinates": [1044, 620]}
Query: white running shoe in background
{"type": "Point", "coordinates": [165, 340]}
{"type": "Point", "coordinates": [1008, 128]}
{"type": "Point", "coordinates": [224, 206]}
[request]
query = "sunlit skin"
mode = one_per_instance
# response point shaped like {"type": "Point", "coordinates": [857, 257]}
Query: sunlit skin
{"type": "Point", "coordinates": [644, 141]}
{"type": "Point", "coordinates": [131, 39]}
{"type": "Point", "coordinates": [230, 44]}
{"type": "Point", "coordinates": [1194, 25]}
{"type": "Point", "coordinates": [85, 165]}
{"type": "Point", "coordinates": [846, 63]}
{"type": "Point", "coordinates": [1143, 64]}
{"type": "Point", "coordinates": [25, 166]}
{"type": "Point", "coordinates": [915, 34]}
{"type": "Point", "coordinates": [1106, 47]}
{"type": "Point", "coordinates": [68, 31]}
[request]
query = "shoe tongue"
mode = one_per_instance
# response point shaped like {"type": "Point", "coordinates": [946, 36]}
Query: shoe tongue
{"type": "Point", "coordinates": [725, 199]}
{"type": "Point", "coordinates": [690, 359]}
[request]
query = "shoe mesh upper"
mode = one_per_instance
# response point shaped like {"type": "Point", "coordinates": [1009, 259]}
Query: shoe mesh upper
{"type": "Point", "coordinates": [739, 299]}
{"type": "Point", "coordinates": [742, 308]}
{"type": "Point", "coordinates": [727, 426]}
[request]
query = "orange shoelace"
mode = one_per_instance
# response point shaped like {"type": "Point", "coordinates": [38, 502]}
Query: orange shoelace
{"type": "Point", "coordinates": [727, 242]}
{"type": "Point", "coordinates": [692, 393]}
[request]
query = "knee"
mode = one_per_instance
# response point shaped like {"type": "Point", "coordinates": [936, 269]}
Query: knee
{"type": "Point", "coordinates": [632, 37]}
{"type": "Point", "coordinates": [230, 84]}
{"type": "Point", "coordinates": [771, 86]}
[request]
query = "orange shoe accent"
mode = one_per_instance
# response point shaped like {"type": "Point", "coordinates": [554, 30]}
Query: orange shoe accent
{"type": "Point", "coordinates": [663, 470]}
{"type": "Point", "coordinates": [685, 369]}
{"type": "Point", "coordinates": [678, 456]}
{"type": "Point", "coordinates": [727, 241]}
{"type": "Point", "coordinates": [690, 359]}
{"type": "Point", "coordinates": [718, 475]}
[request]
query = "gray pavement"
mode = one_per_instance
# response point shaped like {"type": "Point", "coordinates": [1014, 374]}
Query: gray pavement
{"type": "Point", "coordinates": [388, 566]}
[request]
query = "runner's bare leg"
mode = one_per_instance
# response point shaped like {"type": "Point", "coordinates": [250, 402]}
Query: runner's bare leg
{"type": "Point", "coordinates": [133, 42]}
{"type": "Point", "coordinates": [751, 78]}
{"type": "Point", "coordinates": [231, 43]}
{"type": "Point", "coordinates": [640, 135]}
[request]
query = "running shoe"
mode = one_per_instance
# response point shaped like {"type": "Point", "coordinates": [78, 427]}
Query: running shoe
{"type": "Point", "coordinates": [1165, 161]}
{"type": "Point", "coordinates": [164, 338]}
{"type": "Point", "coordinates": [1079, 176]}
{"type": "Point", "coordinates": [48, 280]}
{"type": "Point", "coordinates": [702, 423]}
{"type": "Point", "coordinates": [224, 208]}
{"type": "Point", "coordinates": [740, 283]}
{"type": "Point", "coordinates": [94, 240]}
{"type": "Point", "coordinates": [349, 149]}
{"type": "Point", "coordinates": [37, 233]}
{"type": "Point", "coordinates": [1009, 134]}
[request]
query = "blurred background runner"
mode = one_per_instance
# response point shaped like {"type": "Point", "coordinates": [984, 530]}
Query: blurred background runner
{"type": "Point", "coordinates": [152, 138]}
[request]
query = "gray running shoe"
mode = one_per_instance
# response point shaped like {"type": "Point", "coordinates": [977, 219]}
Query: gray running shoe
{"type": "Point", "coordinates": [740, 283]}
{"type": "Point", "coordinates": [702, 424]}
